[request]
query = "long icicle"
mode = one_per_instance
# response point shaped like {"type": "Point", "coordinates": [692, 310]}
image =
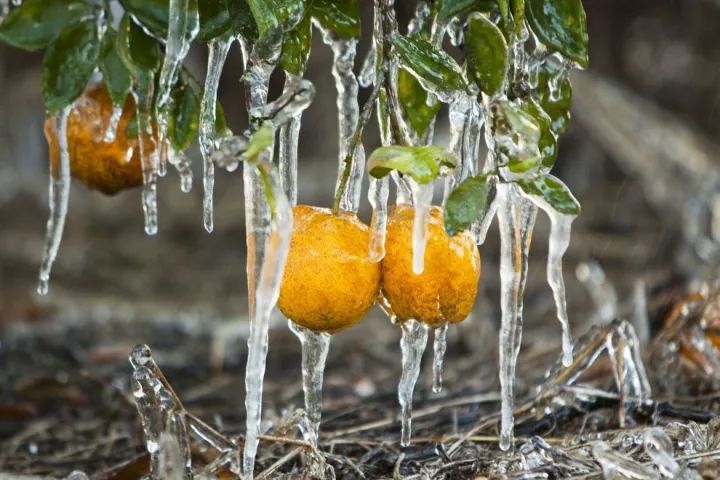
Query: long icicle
{"type": "Point", "coordinates": [439, 349]}
{"type": "Point", "coordinates": [412, 344]}
{"type": "Point", "coordinates": [217, 53]}
{"type": "Point", "coordinates": [58, 196]}
{"type": "Point", "coordinates": [149, 156]}
{"type": "Point", "coordinates": [516, 217]}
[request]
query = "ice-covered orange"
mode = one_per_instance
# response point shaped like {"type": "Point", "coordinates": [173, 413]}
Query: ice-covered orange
{"type": "Point", "coordinates": [105, 166]}
{"type": "Point", "coordinates": [329, 282]}
{"type": "Point", "coordinates": [445, 291]}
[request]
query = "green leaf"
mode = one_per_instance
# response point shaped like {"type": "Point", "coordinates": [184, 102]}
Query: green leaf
{"type": "Point", "coordinates": [422, 164]}
{"type": "Point", "coordinates": [151, 14]}
{"type": "Point", "coordinates": [36, 23]}
{"type": "Point", "coordinates": [242, 19]}
{"type": "Point", "coordinates": [552, 191]}
{"type": "Point", "coordinates": [269, 14]}
{"type": "Point", "coordinates": [296, 48]}
{"type": "Point", "coordinates": [486, 53]}
{"type": "Point", "coordinates": [69, 63]}
{"type": "Point", "coordinates": [221, 126]}
{"type": "Point", "coordinates": [430, 64]}
{"type": "Point", "coordinates": [466, 203]}
{"type": "Point", "coordinates": [214, 19]}
{"type": "Point", "coordinates": [517, 135]}
{"type": "Point", "coordinates": [554, 94]}
{"type": "Point", "coordinates": [562, 26]}
{"type": "Point", "coordinates": [456, 8]}
{"type": "Point", "coordinates": [184, 118]}
{"type": "Point", "coordinates": [504, 6]}
{"type": "Point", "coordinates": [547, 143]}
{"type": "Point", "coordinates": [258, 142]}
{"type": "Point", "coordinates": [414, 100]}
{"type": "Point", "coordinates": [116, 76]}
{"type": "Point", "coordinates": [136, 49]}
{"type": "Point", "coordinates": [342, 17]}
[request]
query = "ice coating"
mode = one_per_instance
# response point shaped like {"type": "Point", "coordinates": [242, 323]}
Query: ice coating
{"type": "Point", "coordinates": [615, 465]}
{"type": "Point", "coordinates": [217, 53]}
{"type": "Point", "coordinates": [422, 201]}
{"type": "Point", "coordinates": [439, 349]}
{"type": "Point", "coordinates": [58, 196]}
{"type": "Point", "coordinates": [516, 219]}
{"type": "Point", "coordinates": [149, 155]}
{"type": "Point", "coordinates": [170, 460]}
{"type": "Point", "coordinates": [315, 346]}
{"type": "Point", "coordinates": [288, 148]}
{"type": "Point", "coordinates": [378, 192]}
{"type": "Point", "coordinates": [112, 126]}
{"type": "Point", "coordinates": [412, 344]}
{"type": "Point", "coordinates": [183, 165]}
{"type": "Point", "coordinates": [183, 27]}
{"type": "Point", "coordinates": [660, 450]}
{"type": "Point", "coordinates": [460, 120]}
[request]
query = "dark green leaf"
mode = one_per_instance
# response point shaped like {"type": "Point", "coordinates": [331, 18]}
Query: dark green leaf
{"type": "Point", "coordinates": [116, 76]}
{"type": "Point", "coordinates": [242, 20]}
{"type": "Point", "coordinates": [36, 23]}
{"type": "Point", "coordinates": [214, 19]}
{"type": "Point", "coordinates": [554, 94]}
{"type": "Point", "coordinates": [414, 100]}
{"type": "Point", "coordinates": [428, 63]}
{"type": "Point", "coordinates": [342, 17]}
{"type": "Point", "coordinates": [422, 164]}
{"type": "Point", "coordinates": [465, 204]}
{"type": "Point", "coordinates": [456, 8]}
{"type": "Point", "coordinates": [552, 191]}
{"type": "Point", "coordinates": [561, 25]}
{"type": "Point", "coordinates": [296, 47]}
{"type": "Point", "coordinates": [486, 53]}
{"type": "Point", "coordinates": [152, 14]}
{"type": "Point", "coordinates": [269, 14]}
{"type": "Point", "coordinates": [136, 49]}
{"type": "Point", "coordinates": [184, 118]}
{"type": "Point", "coordinates": [69, 63]}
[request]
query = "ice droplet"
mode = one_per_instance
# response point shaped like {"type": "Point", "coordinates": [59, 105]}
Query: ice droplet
{"type": "Point", "coordinates": [183, 27]}
{"type": "Point", "coordinates": [378, 193]}
{"type": "Point", "coordinates": [412, 344]}
{"type": "Point", "coordinates": [516, 218]}
{"type": "Point", "coordinates": [149, 155]}
{"type": "Point", "coordinates": [182, 164]}
{"type": "Point", "coordinates": [58, 196]}
{"type": "Point", "coordinates": [315, 346]}
{"type": "Point", "coordinates": [439, 349]}
{"type": "Point", "coordinates": [217, 53]}
{"type": "Point", "coordinates": [112, 126]}
{"type": "Point", "coordinates": [422, 201]}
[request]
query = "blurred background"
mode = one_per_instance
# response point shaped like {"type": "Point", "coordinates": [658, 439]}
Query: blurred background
{"type": "Point", "coordinates": [641, 155]}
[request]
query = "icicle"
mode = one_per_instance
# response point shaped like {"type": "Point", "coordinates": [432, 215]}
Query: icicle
{"type": "Point", "coordinates": [182, 164]}
{"type": "Point", "coordinates": [183, 26]}
{"type": "Point", "coordinates": [378, 195]}
{"type": "Point", "coordinates": [344, 51]}
{"type": "Point", "coordinates": [58, 195]}
{"type": "Point", "coordinates": [315, 347]}
{"type": "Point", "coordinates": [112, 126]}
{"type": "Point", "coordinates": [144, 384]}
{"type": "Point", "coordinates": [217, 53]}
{"type": "Point", "coordinates": [422, 201]}
{"type": "Point", "coordinates": [367, 72]}
{"type": "Point", "coordinates": [149, 155]}
{"type": "Point", "coordinates": [516, 218]}
{"type": "Point", "coordinates": [412, 344]}
{"type": "Point", "coordinates": [439, 349]}
{"type": "Point", "coordinates": [170, 461]}
{"type": "Point", "coordinates": [288, 148]}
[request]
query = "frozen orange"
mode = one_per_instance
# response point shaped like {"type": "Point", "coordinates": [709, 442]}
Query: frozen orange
{"type": "Point", "coordinates": [329, 282]}
{"type": "Point", "coordinates": [105, 166]}
{"type": "Point", "coordinates": [445, 291]}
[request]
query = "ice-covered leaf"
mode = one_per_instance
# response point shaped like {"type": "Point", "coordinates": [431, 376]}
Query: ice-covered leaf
{"type": "Point", "coordinates": [259, 141]}
{"type": "Point", "coordinates": [553, 191]}
{"type": "Point", "coordinates": [136, 49]}
{"type": "Point", "coordinates": [455, 8]}
{"type": "Point", "coordinates": [434, 66]}
{"type": "Point", "coordinates": [214, 19]}
{"type": "Point", "coordinates": [547, 143]}
{"type": "Point", "coordinates": [466, 203]}
{"type": "Point", "coordinates": [296, 47]}
{"type": "Point", "coordinates": [116, 76]}
{"type": "Point", "coordinates": [183, 123]}
{"type": "Point", "coordinates": [36, 23]}
{"type": "Point", "coordinates": [414, 100]}
{"type": "Point", "coordinates": [554, 94]}
{"type": "Point", "coordinates": [561, 25]}
{"type": "Point", "coordinates": [151, 14]}
{"type": "Point", "coordinates": [269, 14]}
{"type": "Point", "coordinates": [341, 17]}
{"type": "Point", "coordinates": [486, 53]}
{"type": "Point", "coordinates": [422, 164]}
{"type": "Point", "coordinates": [69, 63]}
{"type": "Point", "coordinates": [242, 20]}
{"type": "Point", "coordinates": [517, 135]}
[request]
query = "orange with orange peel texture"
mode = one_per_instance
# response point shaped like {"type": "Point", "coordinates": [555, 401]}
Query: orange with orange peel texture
{"type": "Point", "coordinates": [446, 289]}
{"type": "Point", "coordinates": [108, 167]}
{"type": "Point", "coordinates": [329, 282]}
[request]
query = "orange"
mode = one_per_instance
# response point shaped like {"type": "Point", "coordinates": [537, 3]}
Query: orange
{"type": "Point", "coordinates": [446, 290]}
{"type": "Point", "coordinates": [329, 282]}
{"type": "Point", "coordinates": [108, 167]}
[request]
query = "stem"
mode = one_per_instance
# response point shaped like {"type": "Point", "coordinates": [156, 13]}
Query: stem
{"type": "Point", "coordinates": [518, 15]}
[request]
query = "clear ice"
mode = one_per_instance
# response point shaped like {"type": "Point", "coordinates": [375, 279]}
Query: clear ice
{"type": "Point", "coordinates": [58, 196]}
{"type": "Point", "coordinates": [422, 195]}
{"type": "Point", "coordinates": [288, 147]}
{"type": "Point", "coordinates": [112, 126]}
{"type": "Point", "coordinates": [439, 349]}
{"type": "Point", "coordinates": [378, 192]}
{"type": "Point", "coordinates": [412, 344]}
{"type": "Point", "coordinates": [149, 155]}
